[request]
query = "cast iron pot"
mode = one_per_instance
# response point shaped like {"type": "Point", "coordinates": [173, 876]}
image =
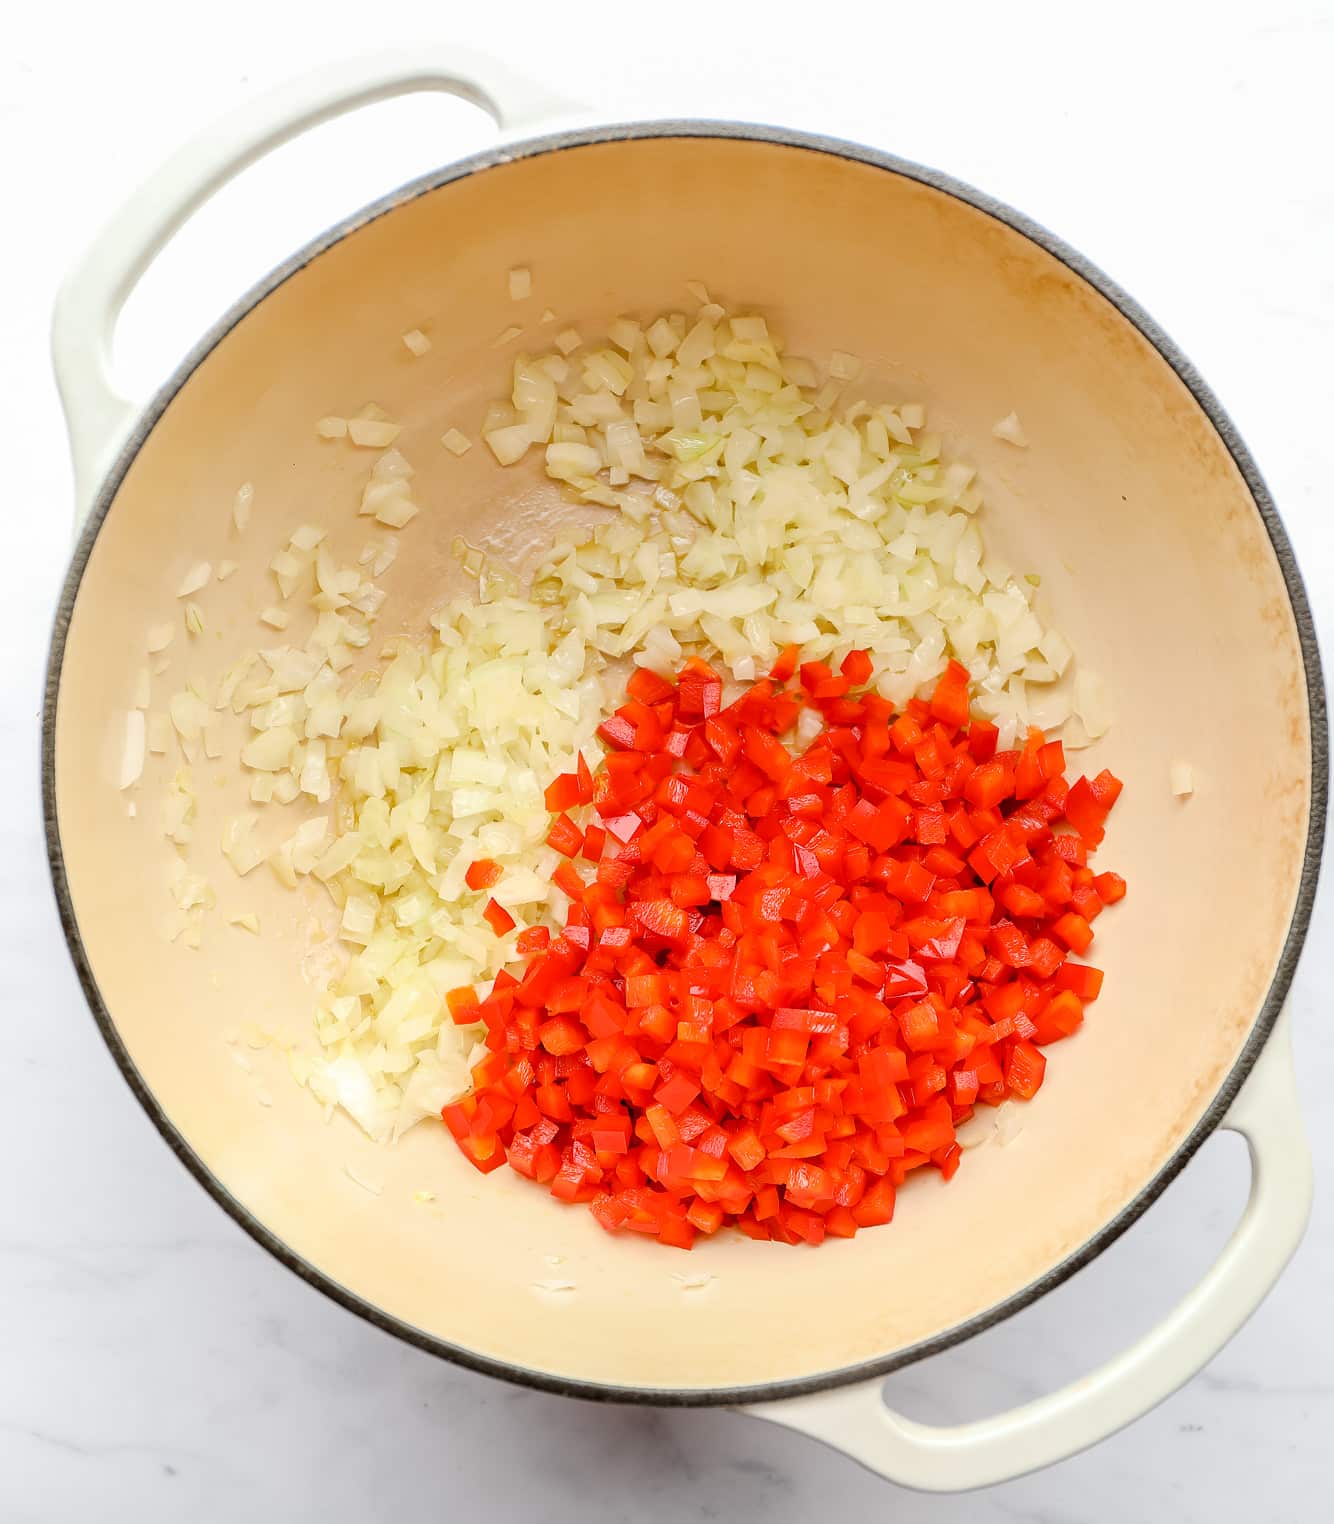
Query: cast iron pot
{"type": "Point", "coordinates": [1162, 556]}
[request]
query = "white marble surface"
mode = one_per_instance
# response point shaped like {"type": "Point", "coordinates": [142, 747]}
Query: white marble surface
{"type": "Point", "coordinates": [154, 1363]}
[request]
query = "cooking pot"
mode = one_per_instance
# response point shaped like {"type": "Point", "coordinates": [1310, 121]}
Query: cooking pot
{"type": "Point", "coordinates": [1162, 558]}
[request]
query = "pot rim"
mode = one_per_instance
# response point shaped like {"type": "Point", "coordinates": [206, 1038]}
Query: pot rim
{"type": "Point", "coordinates": [574, 138]}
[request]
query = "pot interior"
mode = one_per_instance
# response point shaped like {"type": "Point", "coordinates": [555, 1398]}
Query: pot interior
{"type": "Point", "coordinates": [1154, 561]}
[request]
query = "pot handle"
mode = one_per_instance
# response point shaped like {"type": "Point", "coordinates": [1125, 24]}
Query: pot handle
{"type": "Point", "coordinates": [854, 1419]}
{"type": "Point", "coordinates": [92, 295]}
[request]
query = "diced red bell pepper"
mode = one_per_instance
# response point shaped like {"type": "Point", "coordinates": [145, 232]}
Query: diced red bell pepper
{"type": "Point", "coordinates": [793, 974]}
{"type": "Point", "coordinates": [498, 918]}
{"type": "Point", "coordinates": [482, 874]}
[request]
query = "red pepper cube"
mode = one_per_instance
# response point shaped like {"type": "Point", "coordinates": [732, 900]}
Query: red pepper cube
{"type": "Point", "coordinates": [484, 1154]}
{"type": "Point", "coordinates": [786, 664]}
{"type": "Point", "coordinates": [856, 667]}
{"type": "Point", "coordinates": [610, 1134]}
{"type": "Point", "coordinates": [949, 701]}
{"type": "Point", "coordinates": [482, 874]}
{"type": "Point", "coordinates": [562, 1035]}
{"type": "Point", "coordinates": [1024, 1069]}
{"type": "Point", "coordinates": [920, 1026]}
{"type": "Point", "coordinates": [498, 918]}
{"type": "Point", "coordinates": [1051, 759]}
{"type": "Point", "coordinates": [464, 1006]}
{"type": "Point", "coordinates": [565, 836]}
{"type": "Point", "coordinates": [648, 687]}
{"type": "Point", "coordinates": [982, 738]}
{"type": "Point", "coordinates": [990, 784]}
{"type": "Point", "coordinates": [1106, 789]}
{"type": "Point", "coordinates": [1060, 1017]}
{"type": "Point", "coordinates": [676, 1232]}
{"type": "Point", "coordinates": [1081, 979]}
{"type": "Point", "coordinates": [562, 793]}
{"type": "Point", "coordinates": [677, 1093]}
{"type": "Point", "coordinates": [609, 1212]}
{"type": "Point", "coordinates": [618, 733]}
{"type": "Point", "coordinates": [1085, 812]}
{"type": "Point", "coordinates": [1044, 957]}
{"type": "Point", "coordinates": [532, 939]}
{"type": "Point", "coordinates": [566, 878]}
{"type": "Point", "coordinates": [1074, 931]}
{"type": "Point", "coordinates": [876, 1206]}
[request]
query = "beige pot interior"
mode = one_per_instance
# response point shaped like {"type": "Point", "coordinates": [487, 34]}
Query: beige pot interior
{"type": "Point", "coordinates": [1154, 559]}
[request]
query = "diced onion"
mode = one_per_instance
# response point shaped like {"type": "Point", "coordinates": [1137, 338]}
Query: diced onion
{"type": "Point", "coordinates": [372, 433]}
{"type": "Point", "coordinates": [1183, 779]}
{"type": "Point", "coordinates": [1010, 430]}
{"type": "Point", "coordinates": [194, 579]}
{"type": "Point", "coordinates": [132, 750]}
{"type": "Point", "coordinates": [509, 444]}
{"type": "Point", "coordinates": [1009, 1123]}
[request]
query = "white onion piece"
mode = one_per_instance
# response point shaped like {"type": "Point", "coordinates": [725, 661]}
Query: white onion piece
{"type": "Point", "coordinates": [372, 433]}
{"type": "Point", "coordinates": [509, 444]}
{"type": "Point", "coordinates": [1182, 776]}
{"type": "Point", "coordinates": [239, 846]}
{"type": "Point", "coordinates": [132, 749]}
{"type": "Point", "coordinates": [1009, 1123]}
{"type": "Point", "coordinates": [242, 505]}
{"type": "Point", "coordinates": [1010, 430]}
{"type": "Point", "coordinates": [194, 579]}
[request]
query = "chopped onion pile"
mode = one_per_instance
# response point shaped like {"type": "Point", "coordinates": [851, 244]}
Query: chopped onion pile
{"type": "Point", "coordinates": [760, 509]}
{"type": "Point", "coordinates": [443, 761]}
{"type": "Point", "coordinates": [757, 506]}
{"type": "Point", "coordinates": [437, 759]}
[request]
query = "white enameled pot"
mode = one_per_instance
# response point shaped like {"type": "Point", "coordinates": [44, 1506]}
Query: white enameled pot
{"type": "Point", "coordinates": [1162, 557]}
